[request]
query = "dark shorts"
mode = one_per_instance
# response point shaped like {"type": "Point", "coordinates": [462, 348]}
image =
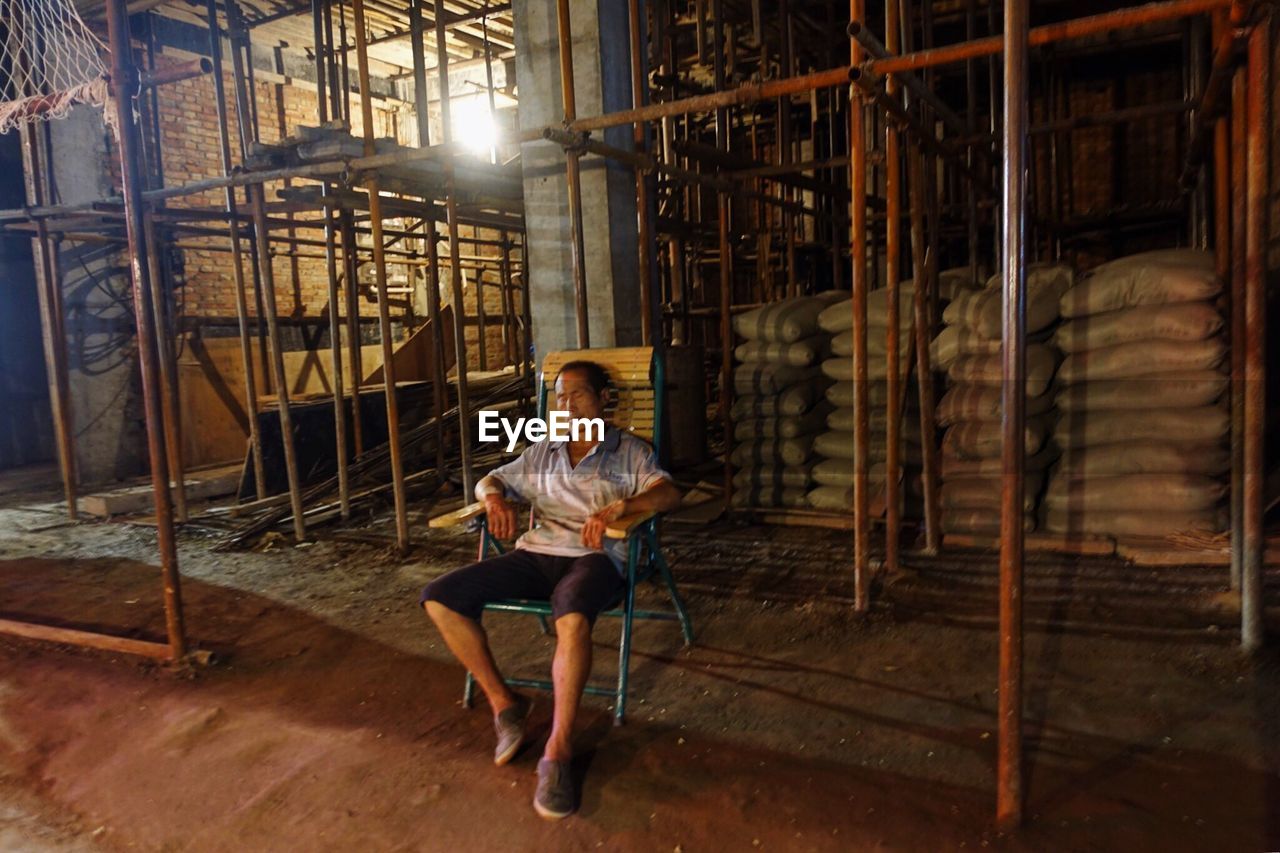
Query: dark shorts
{"type": "Point", "coordinates": [587, 584]}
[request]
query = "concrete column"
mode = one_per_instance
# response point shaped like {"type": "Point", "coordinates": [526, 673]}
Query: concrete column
{"type": "Point", "coordinates": [600, 30]}
{"type": "Point", "coordinates": [102, 363]}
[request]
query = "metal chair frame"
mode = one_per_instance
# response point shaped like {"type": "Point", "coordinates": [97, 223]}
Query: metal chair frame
{"type": "Point", "coordinates": [644, 558]}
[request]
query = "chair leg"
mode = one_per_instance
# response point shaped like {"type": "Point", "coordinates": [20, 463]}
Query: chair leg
{"type": "Point", "coordinates": [469, 691]}
{"type": "Point", "coordinates": [686, 626]}
{"type": "Point", "coordinates": [546, 628]}
{"type": "Point", "coordinates": [624, 645]}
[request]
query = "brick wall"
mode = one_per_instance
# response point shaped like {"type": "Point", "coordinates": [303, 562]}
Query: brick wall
{"type": "Point", "coordinates": [191, 151]}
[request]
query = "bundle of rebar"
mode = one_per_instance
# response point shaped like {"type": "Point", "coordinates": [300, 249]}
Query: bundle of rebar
{"type": "Point", "coordinates": [374, 467]}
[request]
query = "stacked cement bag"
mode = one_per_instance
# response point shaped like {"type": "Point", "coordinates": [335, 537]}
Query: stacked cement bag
{"type": "Point", "coordinates": [778, 404]}
{"type": "Point", "coordinates": [834, 447]}
{"type": "Point", "coordinates": [1142, 424]}
{"type": "Point", "coordinates": [968, 350]}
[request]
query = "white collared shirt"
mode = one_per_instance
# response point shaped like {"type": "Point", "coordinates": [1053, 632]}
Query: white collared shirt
{"type": "Point", "coordinates": [563, 497]}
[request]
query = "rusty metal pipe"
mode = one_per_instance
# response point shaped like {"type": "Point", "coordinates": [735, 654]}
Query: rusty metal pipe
{"type": "Point", "coordinates": [170, 417]}
{"type": "Point", "coordinates": [643, 217]}
{"type": "Point", "coordinates": [380, 277]}
{"type": "Point", "coordinates": [1239, 153]}
{"type": "Point", "coordinates": [893, 274]}
{"type": "Point", "coordinates": [318, 16]}
{"type": "Point", "coordinates": [1009, 784]}
{"type": "Point", "coordinates": [573, 176]}
{"type": "Point", "coordinates": [858, 257]}
{"type": "Point", "coordinates": [1107, 22]}
{"type": "Point", "coordinates": [53, 335]}
{"type": "Point", "coordinates": [455, 270]}
{"type": "Point", "coordinates": [747, 94]}
{"type": "Point", "coordinates": [1222, 188]}
{"type": "Point", "coordinates": [237, 261]}
{"type": "Point", "coordinates": [723, 211]}
{"type": "Point", "coordinates": [1227, 42]}
{"type": "Point", "coordinates": [124, 72]}
{"type": "Point", "coordinates": [923, 272]}
{"type": "Point", "coordinates": [886, 49]}
{"type": "Point", "coordinates": [1257, 131]}
{"type": "Point", "coordinates": [177, 72]}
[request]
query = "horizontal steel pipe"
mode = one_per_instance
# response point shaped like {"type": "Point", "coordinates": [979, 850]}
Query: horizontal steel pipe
{"type": "Point", "coordinates": [1135, 16]}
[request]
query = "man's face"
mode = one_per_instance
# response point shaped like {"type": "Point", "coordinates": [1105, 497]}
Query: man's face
{"type": "Point", "coordinates": [575, 395]}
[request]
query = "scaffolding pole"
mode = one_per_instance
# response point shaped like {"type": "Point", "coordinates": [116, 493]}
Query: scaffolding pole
{"type": "Point", "coordinates": [125, 74]}
{"type": "Point", "coordinates": [380, 273]}
{"type": "Point", "coordinates": [1013, 342]}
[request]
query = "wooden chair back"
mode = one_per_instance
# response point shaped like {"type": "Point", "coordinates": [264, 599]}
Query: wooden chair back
{"type": "Point", "coordinates": [636, 382]}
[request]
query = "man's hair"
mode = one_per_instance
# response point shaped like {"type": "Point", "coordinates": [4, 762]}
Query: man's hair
{"type": "Point", "coordinates": [597, 376]}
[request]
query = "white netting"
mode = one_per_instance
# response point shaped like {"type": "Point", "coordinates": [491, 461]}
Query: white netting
{"type": "Point", "coordinates": [49, 61]}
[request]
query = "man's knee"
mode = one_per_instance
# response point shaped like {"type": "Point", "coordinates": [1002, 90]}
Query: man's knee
{"type": "Point", "coordinates": [445, 598]}
{"type": "Point", "coordinates": [573, 624]}
{"type": "Point", "coordinates": [571, 608]}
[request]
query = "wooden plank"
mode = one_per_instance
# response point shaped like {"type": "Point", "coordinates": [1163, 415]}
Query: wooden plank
{"type": "Point", "coordinates": [414, 359]}
{"type": "Point", "coordinates": [458, 516]}
{"type": "Point", "coordinates": [1162, 551]}
{"type": "Point", "coordinates": [622, 527]}
{"type": "Point", "coordinates": [201, 485]}
{"type": "Point", "coordinates": [211, 390]}
{"type": "Point", "coordinates": [1054, 543]}
{"type": "Point", "coordinates": [805, 518]}
{"type": "Point", "coordinates": [1142, 553]}
{"type": "Point", "coordinates": [89, 639]}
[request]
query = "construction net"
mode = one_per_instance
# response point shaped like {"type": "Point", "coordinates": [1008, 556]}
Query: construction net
{"type": "Point", "coordinates": [49, 62]}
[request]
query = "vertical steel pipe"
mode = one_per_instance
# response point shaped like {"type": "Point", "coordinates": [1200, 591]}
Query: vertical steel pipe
{"type": "Point", "coordinates": [638, 80]}
{"type": "Point", "coordinates": [380, 278]}
{"type": "Point", "coordinates": [482, 322]}
{"type": "Point", "coordinates": [784, 151]}
{"type": "Point", "coordinates": [274, 364]}
{"type": "Point", "coordinates": [237, 260]}
{"type": "Point", "coordinates": [455, 267]}
{"type": "Point", "coordinates": [1009, 788]}
{"type": "Point", "coordinates": [125, 75]}
{"type": "Point", "coordinates": [923, 272]}
{"type": "Point", "coordinates": [53, 334]}
{"type": "Point", "coordinates": [509, 323]}
{"type": "Point", "coordinates": [724, 209]}
{"type": "Point", "coordinates": [1257, 134]}
{"type": "Point", "coordinates": [336, 383]}
{"type": "Point", "coordinates": [893, 273]}
{"type": "Point", "coordinates": [1221, 180]}
{"type": "Point", "coordinates": [355, 354]}
{"type": "Point", "coordinates": [971, 127]}
{"type": "Point", "coordinates": [246, 132]}
{"type": "Point", "coordinates": [858, 258]}
{"type": "Point", "coordinates": [439, 381]}
{"type": "Point", "coordinates": [170, 418]}
{"type": "Point", "coordinates": [1239, 154]}
{"type": "Point", "coordinates": [573, 172]}
{"type": "Point", "coordinates": [335, 367]}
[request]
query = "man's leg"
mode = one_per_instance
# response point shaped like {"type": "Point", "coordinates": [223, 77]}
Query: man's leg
{"type": "Point", "coordinates": [591, 584]}
{"type": "Point", "coordinates": [470, 645]}
{"type": "Point", "coordinates": [455, 602]}
{"type": "Point", "coordinates": [569, 672]}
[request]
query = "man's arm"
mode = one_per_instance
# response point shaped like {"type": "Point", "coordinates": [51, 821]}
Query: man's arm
{"type": "Point", "coordinates": [501, 515]}
{"type": "Point", "coordinates": [662, 496]}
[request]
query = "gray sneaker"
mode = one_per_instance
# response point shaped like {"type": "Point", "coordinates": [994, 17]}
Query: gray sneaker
{"type": "Point", "coordinates": [554, 798]}
{"type": "Point", "coordinates": [509, 726]}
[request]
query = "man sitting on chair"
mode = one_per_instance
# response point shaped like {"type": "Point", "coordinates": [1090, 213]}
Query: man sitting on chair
{"type": "Point", "coordinates": [576, 488]}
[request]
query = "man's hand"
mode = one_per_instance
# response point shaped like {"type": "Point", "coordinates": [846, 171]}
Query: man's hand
{"type": "Point", "coordinates": [596, 524]}
{"type": "Point", "coordinates": [502, 517]}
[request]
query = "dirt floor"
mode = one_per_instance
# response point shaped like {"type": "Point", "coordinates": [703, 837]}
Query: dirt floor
{"type": "Point", "coordinates": [332, 720]}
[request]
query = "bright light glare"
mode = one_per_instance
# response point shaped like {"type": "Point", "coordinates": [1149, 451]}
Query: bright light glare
{"type": "Point", "coordinates": [473, 125]}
